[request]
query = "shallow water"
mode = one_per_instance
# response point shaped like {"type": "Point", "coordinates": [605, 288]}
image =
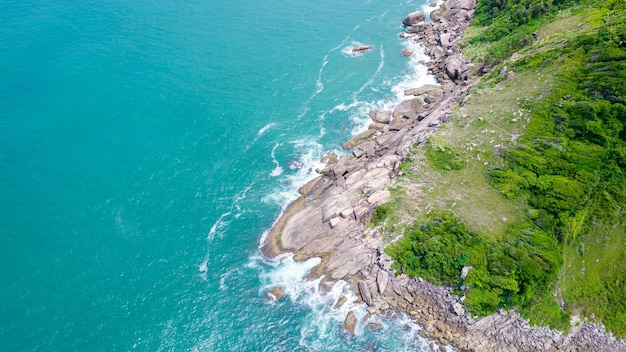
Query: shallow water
{"type": "Point", "coordinates": [146, 147]}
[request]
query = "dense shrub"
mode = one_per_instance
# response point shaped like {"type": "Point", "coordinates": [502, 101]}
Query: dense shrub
{"type": "Point", "coordinates": [503, 273]}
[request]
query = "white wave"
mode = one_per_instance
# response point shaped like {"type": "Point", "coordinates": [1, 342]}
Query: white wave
{"type": "Point", "coordinates": [325, 320]}
{"type": "Point", "coordinates": [278, 170]}
{"type": "Point", "coordinates": [218, 225]}
{"type": "Point", "coordinates": [310, 152]}
{"type": "Point", "coordinates": [427, 8]}
{"type": "Point", "coordinates": [418, 75]}
{"type": "Point", "coordinates": [350, 52]}
{"type": "Point", "coordinates": [224, 277]}
{"type": "Point", "coordinates": [319, 83]}
{"type": "Point", "coordinates": [265, 129]}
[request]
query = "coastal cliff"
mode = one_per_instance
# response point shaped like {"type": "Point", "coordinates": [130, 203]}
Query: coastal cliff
{"type": "Point", "coordinates": [329, 219]}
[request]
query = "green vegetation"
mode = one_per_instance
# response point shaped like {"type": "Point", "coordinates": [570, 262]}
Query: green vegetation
{"type": "Point", "coordinates": [442, 156]}
{"type": "Point", "coordinates": [504, 273]}
{"type": "Point", "coordinates": [550, 162]}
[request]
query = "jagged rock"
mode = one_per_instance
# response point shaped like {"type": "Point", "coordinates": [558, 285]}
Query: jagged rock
{"type": "Point", "coordinates": [413, 18]}
{"type": "Point", "coordinates": [366, 148]}
{"type": "Point", "coordinates": [349, 324]}
{"type": "Point", "coordinates": [400, 123]}
{"type": "Point", "coordinates": [457, 308]}
{"type": "Point", "coordinates": [276, 293]}
{"type": "Point", "coordinates": [362, 49]}
{"type": "Point", "coordinates": [310, 186]}
{"type": "Point", "coordinates": [365, 293]}
{"type": "Point", "coordinates": [379, 116]}
{"type": "Point", "coordinates": [376, 126]}
{"type": "Point", "coordinates": [456, 68]}
{"type": "Point", "coordinates": [358, 139]}
{"type": "Point", "coordinates": [409, 109]}
{"type": "Point", "coordinates": [382, 280]}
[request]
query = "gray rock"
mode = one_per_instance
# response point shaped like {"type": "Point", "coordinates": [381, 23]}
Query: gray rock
{"type": "Point", "coordinates": [379, 116]}
{"type": "Point", "coordinates": [358, 139]}
{"type": "Point", "coordinates": [465, 271]}
{"type": "Point", "coordinates": [457, 308]}
{"type": "Point", "coordinates": [413, 18]}
{"type": "Point", "coordinates": [365, 293]}
{"type": "Point", "coordinates": [427, 89]}
{"type": "Point", "coordinates": [379, 197]}
{"type": "Point", "coordinates": [456, 67]}
{"type": "Point", "coordinates": [366, 148]}
{"type": "Point", "coordinates": [382, 280]}
{"type": "Point", "coordinates": [409, 109]}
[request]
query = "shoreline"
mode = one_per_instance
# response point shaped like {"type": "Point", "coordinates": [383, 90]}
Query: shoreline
{"type": "Point", "coordinates": [327, 220]}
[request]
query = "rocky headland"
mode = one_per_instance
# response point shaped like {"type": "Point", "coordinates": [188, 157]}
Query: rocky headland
{"type": "Point", "coordinates": [327, 220]}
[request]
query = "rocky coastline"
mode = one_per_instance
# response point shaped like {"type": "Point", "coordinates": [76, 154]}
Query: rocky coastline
{"type": "Point", "coordinates": [327, 220]}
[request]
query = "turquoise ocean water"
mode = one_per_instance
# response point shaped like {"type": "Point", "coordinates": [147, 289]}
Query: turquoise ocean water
{"type": "Point", "coordinates": [146, 147]}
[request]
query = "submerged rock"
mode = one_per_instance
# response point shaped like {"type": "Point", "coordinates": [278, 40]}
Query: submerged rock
{"type": "Point", "coordinates": [362, 49]}
{"type": "Point", "coordinates": [276, 293]}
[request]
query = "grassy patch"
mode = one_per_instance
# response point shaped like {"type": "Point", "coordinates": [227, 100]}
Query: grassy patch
{"type": "Point", "coordinates": [535, 160]}
{"type": "Point", "coordinates": [443, 157]}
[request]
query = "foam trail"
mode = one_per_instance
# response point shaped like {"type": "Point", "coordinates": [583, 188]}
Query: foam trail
{"type": "Point", "coordinates": [319, 83]}
{"type": "Point", "coordinates": [310, 152]}
{"type": "Point", "coordinates": [223, 221]}
{"type": "Point", "coordinates": [278, 170]}
{"type": "Point", "coordinates": [418, 75]}
{"type": "Point", "coordinates": [265, 129]}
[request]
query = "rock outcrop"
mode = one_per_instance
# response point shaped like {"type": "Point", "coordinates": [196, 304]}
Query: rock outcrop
{"type": "Point", "coordinates": [327, 220]}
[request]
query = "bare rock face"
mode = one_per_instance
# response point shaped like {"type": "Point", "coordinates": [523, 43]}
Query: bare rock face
{"type": "Point", "coordinates": [409, 109]}
{"type": "Point", "coordinates": [382, 280]}
{"type": "Point", "coordinates": [365, 293]}
{"type": "Point", "coordinates": [358, 139]}
{"type": "Point", "coordinates": [456, 68]}
{"type": "Point", "coordinates": [379, 116]}
{"type": "Point", "coordinates": [413, 18]}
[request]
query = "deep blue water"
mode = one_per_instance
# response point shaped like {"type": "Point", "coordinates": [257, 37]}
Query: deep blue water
{"type": "Point", "coordinates": [145, 148]}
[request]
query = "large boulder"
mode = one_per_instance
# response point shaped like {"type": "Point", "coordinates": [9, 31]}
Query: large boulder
{"type": "Point", "coordinates": [380, 116]}
{"type": "Point", "coordinates": [350, 323]}
{"type": "Point", "coordinates": [359, 138]}
{"type": "Point", "coordinates": [413, 18]}
{"type": "Point", "coordinates": [365, 293]}
{"type": "Point", "coordinates": [456, 68]}
{"type": "Point", "coordinates": [382, 279]}
{"type": "Point", "coordinates": [409, 109]}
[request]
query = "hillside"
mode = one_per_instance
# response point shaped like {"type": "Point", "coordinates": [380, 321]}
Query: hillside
{"type": "Point", "coordinates": [523, 189]}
